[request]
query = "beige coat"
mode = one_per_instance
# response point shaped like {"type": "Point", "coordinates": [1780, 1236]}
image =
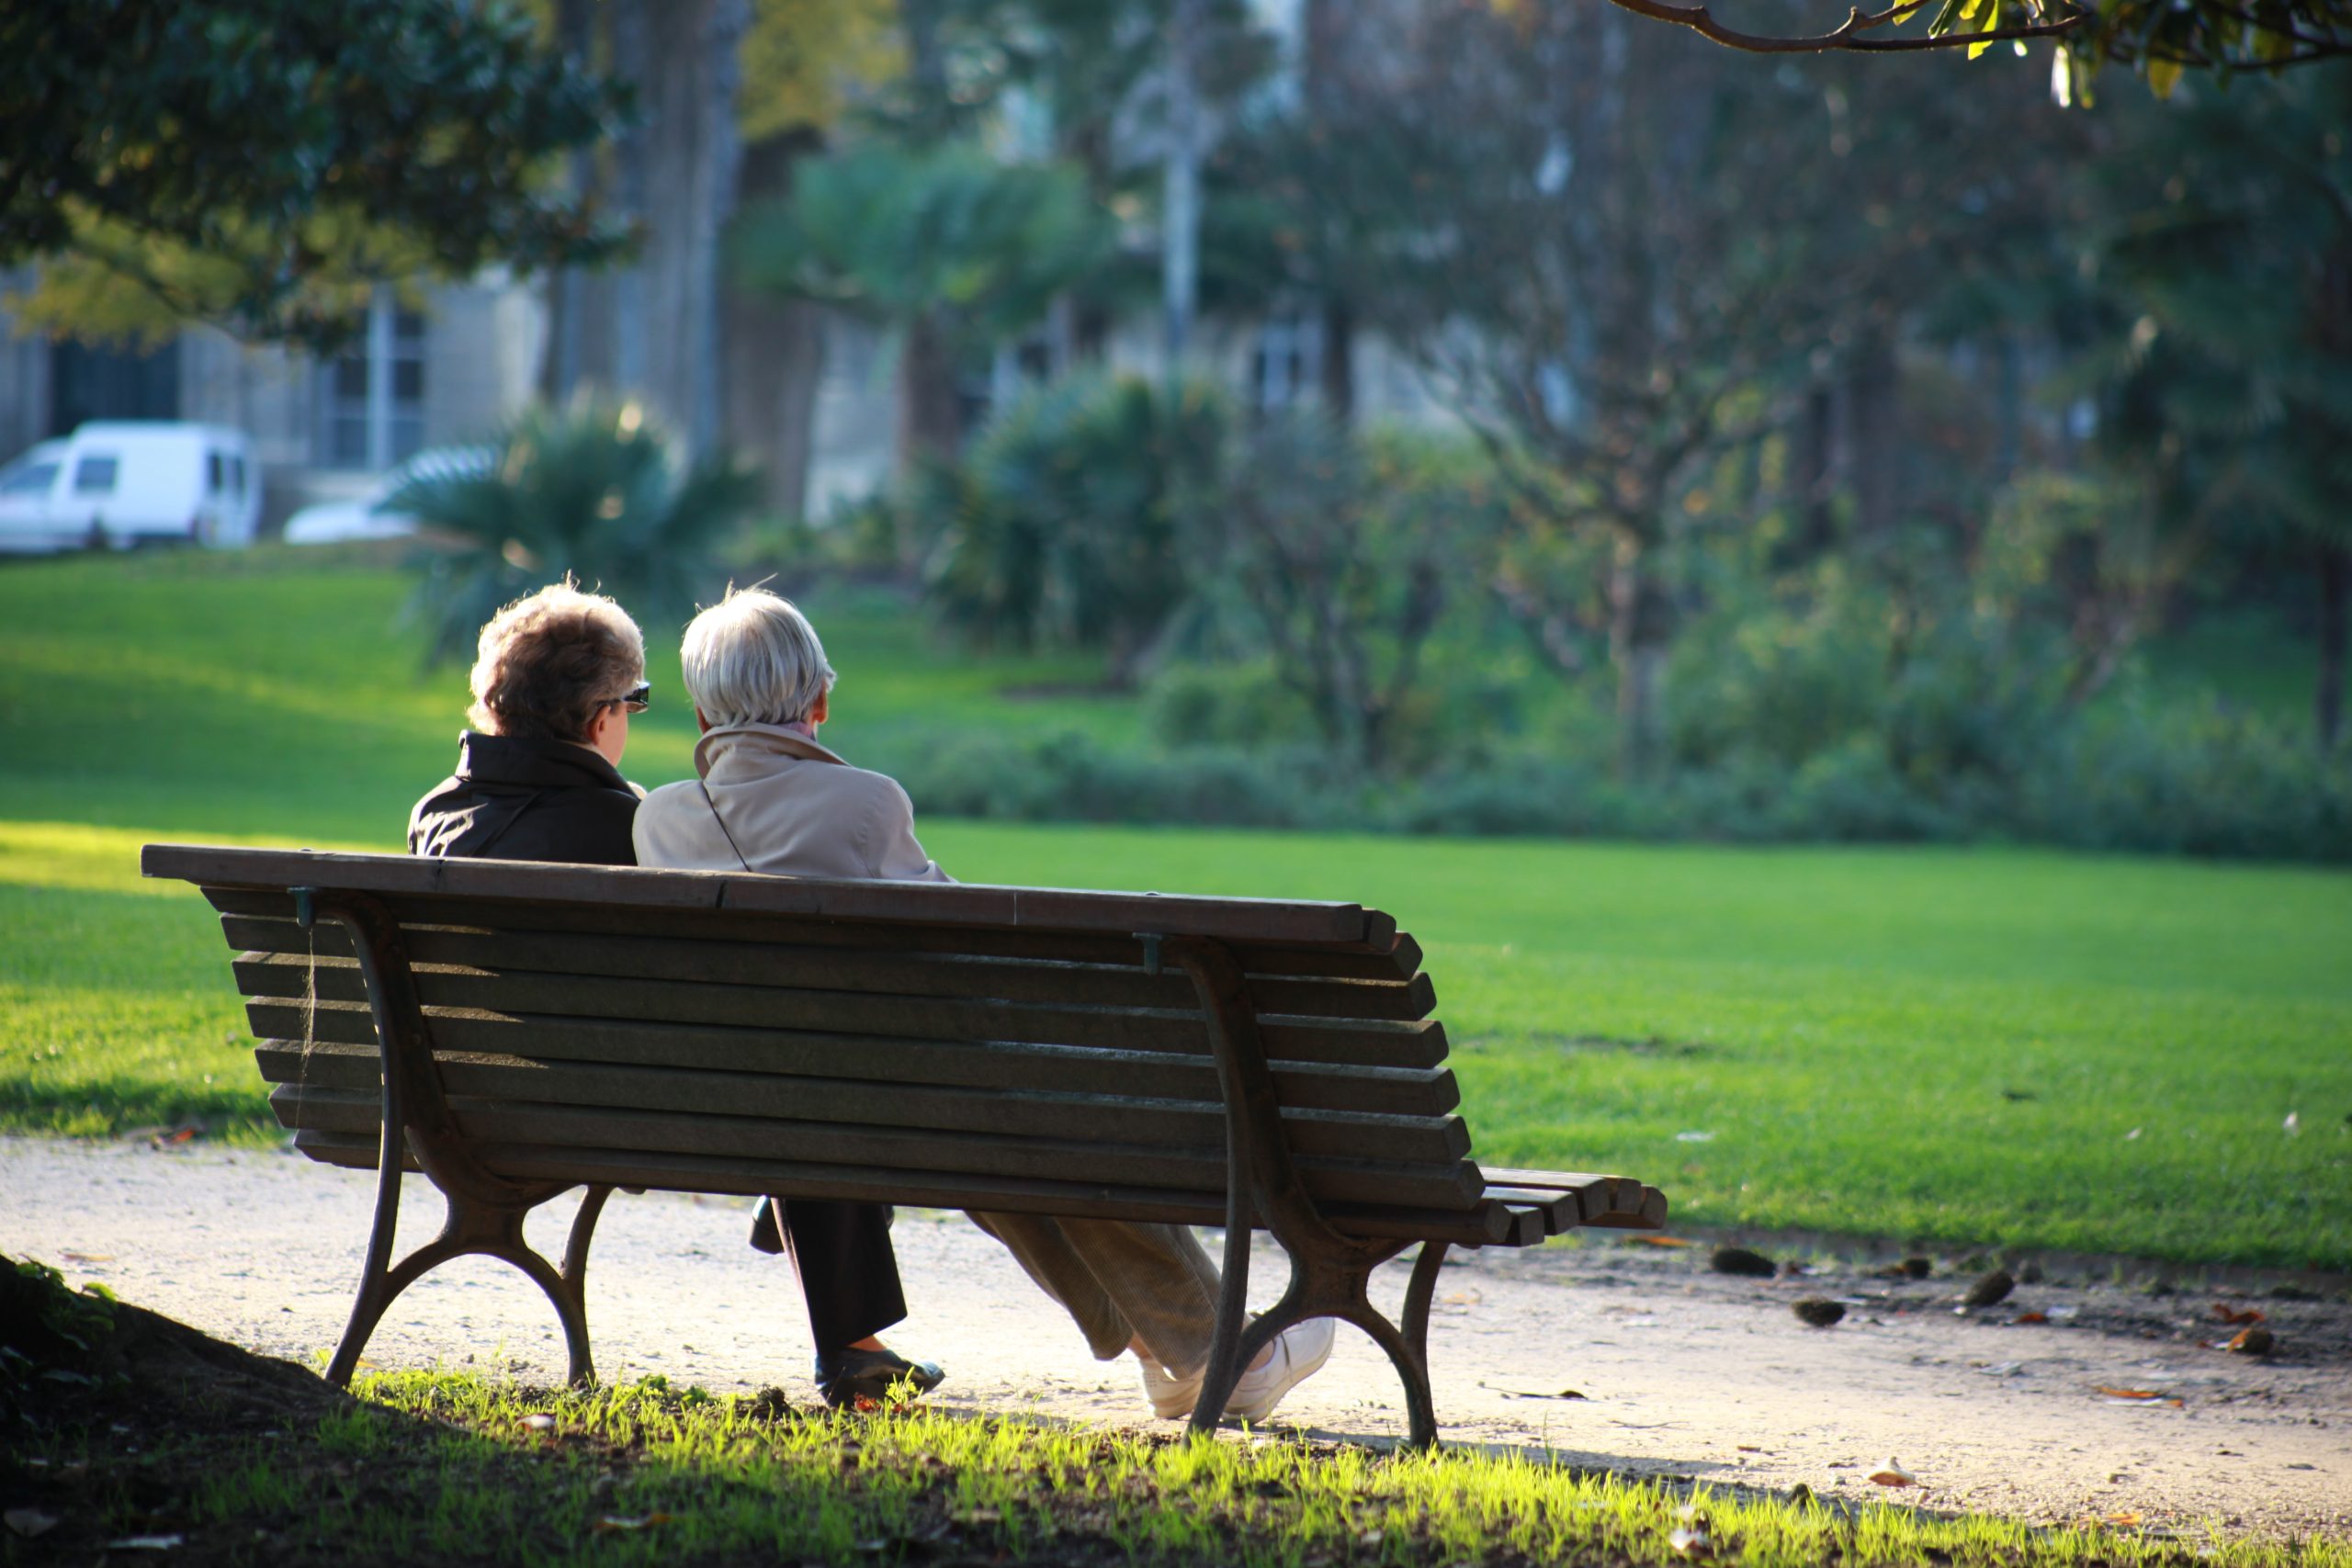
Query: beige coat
{"type": "Point", "coordinates": [791, 806]}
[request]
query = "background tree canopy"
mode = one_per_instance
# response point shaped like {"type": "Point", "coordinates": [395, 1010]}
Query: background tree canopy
{"type": "Point", "coordinates": [263, 163]}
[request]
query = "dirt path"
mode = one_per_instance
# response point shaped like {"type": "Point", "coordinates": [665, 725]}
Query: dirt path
{"type": "Point", "coordinates": [1680, 1371]}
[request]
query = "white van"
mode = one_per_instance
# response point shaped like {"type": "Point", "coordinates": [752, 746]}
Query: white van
{"type": "Point", "coordinates": [124, 482]}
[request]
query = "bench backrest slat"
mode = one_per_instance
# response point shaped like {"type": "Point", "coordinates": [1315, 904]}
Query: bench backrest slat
{"type": "Point", "coordinates": [844, 1101]}
{"type": "Point", "coordinates": [1399, 960]}
{"type": "Point", "coordinates": [877, 970]}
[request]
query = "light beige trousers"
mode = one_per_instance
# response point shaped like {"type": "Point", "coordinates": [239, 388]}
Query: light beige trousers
{"type": "Point", "coordinates": [1119, 1282]}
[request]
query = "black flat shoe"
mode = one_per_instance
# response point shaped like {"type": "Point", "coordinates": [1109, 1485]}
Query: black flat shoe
{"type": "Point", "coordinates": [859, 1379]}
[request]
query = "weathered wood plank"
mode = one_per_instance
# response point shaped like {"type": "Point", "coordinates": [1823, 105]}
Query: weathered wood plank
{"type": "Point", "coordinates": [1488, 1224]}
{"type": "Point", "coordinates": [1456, 1187]}
{"type": "Point", "coordinates": [1399, 962]}
{"type": "Point", "coordinates": [1389, 1091]}
{"type": "Point", "coordinates": [868, 970]}
{"type": "Point", "coordinates": [280, 1000]}
{"type": "Point", "coordinates": [1256, 920]}
{"type": "Point", "coordinates": [1561, 1211]}
{"type": "Point", "coordinates": [849, 1100]}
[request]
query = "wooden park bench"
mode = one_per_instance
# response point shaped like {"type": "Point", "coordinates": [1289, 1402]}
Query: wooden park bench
{"type": "Point", "coordinates": [516, 1030]}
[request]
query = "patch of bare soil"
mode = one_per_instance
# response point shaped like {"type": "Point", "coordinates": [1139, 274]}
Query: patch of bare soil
{"type": "Point", "coordinates": [2077, 1396]}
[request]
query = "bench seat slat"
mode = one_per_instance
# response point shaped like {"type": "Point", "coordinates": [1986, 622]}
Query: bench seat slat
{"type": "Point", "coordinates": [833, 968]}
{"type": "Point", "coordinates": [847, 1100]}
{"type": "Point", "coordinates": [1609, 1200]}
{"type": "Point", "coordinates": [1488, 1224]}
{"type": "Point", "coordinates": [1397, 961]}
{"type": "Point", "coordinates": [1380, 1091]}
{"type": "Point", "coordinates": [1457, 1186]}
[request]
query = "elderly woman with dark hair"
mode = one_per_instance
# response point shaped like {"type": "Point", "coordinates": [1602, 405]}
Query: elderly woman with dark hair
{"type": "Point", "coordinates": [770, 798]}
{"type": "Point", "coordinates": [559, 675]}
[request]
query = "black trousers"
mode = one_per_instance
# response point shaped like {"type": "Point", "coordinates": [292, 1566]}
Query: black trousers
{"type": "Point", "coordinates": [849, 1274]}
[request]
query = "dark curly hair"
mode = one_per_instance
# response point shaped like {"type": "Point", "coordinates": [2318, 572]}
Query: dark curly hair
{"type": "Point", "coordinates": [547, 662]}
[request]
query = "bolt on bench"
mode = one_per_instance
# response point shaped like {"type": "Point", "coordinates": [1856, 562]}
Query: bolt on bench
{"type": "Point", "coordinates": [515, 1030]}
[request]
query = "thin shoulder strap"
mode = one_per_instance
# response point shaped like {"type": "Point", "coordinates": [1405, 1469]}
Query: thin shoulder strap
{"type": "Point", "coordinates": [715, 817]}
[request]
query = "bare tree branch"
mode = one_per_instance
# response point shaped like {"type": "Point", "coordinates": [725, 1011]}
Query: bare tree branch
{"type": "Point", "coordinates": [1847, 34]}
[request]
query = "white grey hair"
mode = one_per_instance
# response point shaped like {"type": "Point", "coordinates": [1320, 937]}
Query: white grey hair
{"type": "Point", "coordinates": [753, 658]}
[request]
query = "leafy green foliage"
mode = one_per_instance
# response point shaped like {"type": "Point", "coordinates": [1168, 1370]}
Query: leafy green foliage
{"type": "Point", "coordinates": [594, 492]}
{"type": "Point", "coordinates": [897, 233]}
{"type": "Point", "coordinates": [230, 156]}
{"type": "Point", "coordinates": [1066, 523]}
{"type": "Point", "coordinates": [1338, 556]}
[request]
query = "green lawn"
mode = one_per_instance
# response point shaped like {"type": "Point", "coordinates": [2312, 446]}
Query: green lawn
{"type": "Point", "coordinates": [1964, 1046]}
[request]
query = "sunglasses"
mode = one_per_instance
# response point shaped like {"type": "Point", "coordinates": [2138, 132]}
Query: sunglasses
{"type": "Point", "coordinates": [637, 699]}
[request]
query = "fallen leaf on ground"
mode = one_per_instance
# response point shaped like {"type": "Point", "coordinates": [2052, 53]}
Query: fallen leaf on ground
{"type": "Point", "coordinates": [2032, 1317]}
{"type": "Point", "coordinates": [2223, 1312]}
{"type": "Point", "coordinates": [2140, 1396]}
{"type": "Point", "coordinates": [87, 1257]}
{"type": "Point", "coordinates": [1661, 1241]}
{"type": "Point", "coordinates": [2123, 1521]}
{"type": "Point", "coordinates": [1892, 1473]}
{"type": "Point", "coordinates": [1990, 1291]}
{"type": "Point", "coordinates": [612, 1522]}
{"type": "Point", "coordinates": [29, 1522]}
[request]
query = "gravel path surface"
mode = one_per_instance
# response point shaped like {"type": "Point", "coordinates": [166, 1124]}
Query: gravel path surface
{"type": "Point", "coordinates": [1675, 1370]}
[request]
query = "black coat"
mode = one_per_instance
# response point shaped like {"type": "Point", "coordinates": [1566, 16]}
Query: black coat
{"type": "Point", "coordinates": [517, 800]}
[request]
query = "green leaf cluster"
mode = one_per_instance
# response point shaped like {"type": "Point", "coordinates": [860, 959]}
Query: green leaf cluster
{"type": "Point", "coordinates": [594, 492]}
{"type": "Point", "coordinates": [229, 156]}
{"type": "Point", "coordinates": [898, 232]}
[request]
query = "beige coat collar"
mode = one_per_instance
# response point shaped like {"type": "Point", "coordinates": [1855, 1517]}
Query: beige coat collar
{"type": "Point", "coordinates": [756, 748]}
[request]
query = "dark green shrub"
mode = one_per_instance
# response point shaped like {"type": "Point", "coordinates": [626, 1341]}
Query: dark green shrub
{"type": "Point", "coordinates": [1062, 524]}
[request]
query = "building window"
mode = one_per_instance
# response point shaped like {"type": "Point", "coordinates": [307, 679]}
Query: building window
{"type": "Point", "coordinates": [1286, 362]}
{"type": "Point", "coordinates": [374, 402]}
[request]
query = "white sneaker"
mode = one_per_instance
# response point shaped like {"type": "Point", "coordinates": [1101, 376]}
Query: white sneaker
{"type": "Point", "coordinates": [1171, 1397]}
{"type": "Point", "coordinates": [1299, 1351]}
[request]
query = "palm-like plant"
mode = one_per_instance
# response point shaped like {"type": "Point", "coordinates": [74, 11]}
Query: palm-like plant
{"type": "Point", "coordinates": [594, 490]}
{"type": "Point", "coordinates": [1063, 523]}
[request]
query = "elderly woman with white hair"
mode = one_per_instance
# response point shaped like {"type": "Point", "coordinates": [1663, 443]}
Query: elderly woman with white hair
{"type": "Point", "coordinates": [769, 797]}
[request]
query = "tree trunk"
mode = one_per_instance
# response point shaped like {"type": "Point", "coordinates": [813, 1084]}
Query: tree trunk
{"type": "Point", "coordinates": [688, 89]}
{"type": "Point", "coordinates": [774, 351]}
{"type": "Point", "coordinates": [563, 362]}
{"type": "Point", "coordinates": [1339, 369]}
{"type": "Point", "coordinates": [930, 413]}
{"type": "Point", "coordinates": [2334, 589]}
{"type": "Point", "coordinates": [1179, 207]}
{"type": "Point", "coordinates": [1639, 615]}
{"type": "Point", "coordinates": [1875, 436]}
